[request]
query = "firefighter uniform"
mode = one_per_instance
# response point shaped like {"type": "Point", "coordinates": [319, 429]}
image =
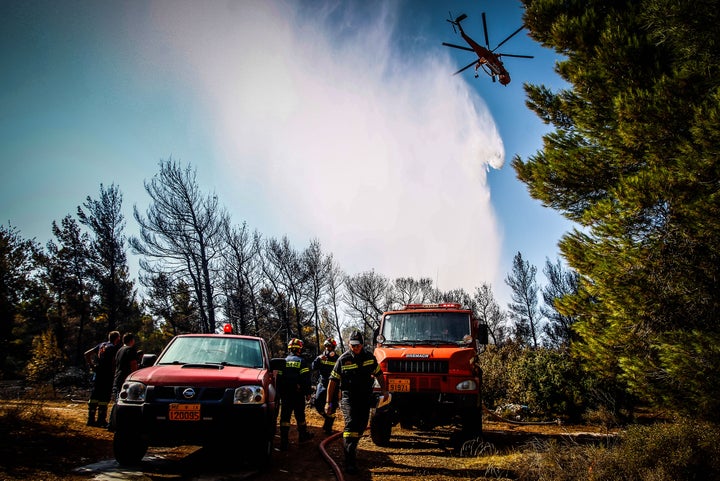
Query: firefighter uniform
{"type": "Point", "coordinates": [293, 388]}
{"type": "Point", "coordinates": [354, 372]}
{"type": "Point", "coordinates": [324, 364]}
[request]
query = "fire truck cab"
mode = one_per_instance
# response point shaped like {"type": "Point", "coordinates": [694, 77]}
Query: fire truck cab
{"type": "Point", "coordinates": [428, 355]}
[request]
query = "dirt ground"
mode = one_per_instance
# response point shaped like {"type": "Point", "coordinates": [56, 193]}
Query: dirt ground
{"type": "Point", "coordinates": [48, 440]}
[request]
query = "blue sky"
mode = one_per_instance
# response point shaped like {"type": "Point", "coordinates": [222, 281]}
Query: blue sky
{"type": "Point", "coordinates": [339, 121]}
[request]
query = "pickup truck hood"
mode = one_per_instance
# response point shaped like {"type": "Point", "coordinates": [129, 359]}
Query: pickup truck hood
{"type": "Point", "coordinates": [191, 375]}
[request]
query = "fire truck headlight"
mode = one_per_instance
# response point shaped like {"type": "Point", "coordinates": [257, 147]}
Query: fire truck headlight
{"type": "Point", "coordinates": [133, 392]}
{"type": "Point", "coordinates": [468, 385]}
{"type": "Point", "coordinates": [249, 395]}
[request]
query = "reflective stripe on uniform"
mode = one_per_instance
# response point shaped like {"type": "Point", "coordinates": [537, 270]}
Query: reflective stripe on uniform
{"type": "Point", "coordinates": [350, 434]}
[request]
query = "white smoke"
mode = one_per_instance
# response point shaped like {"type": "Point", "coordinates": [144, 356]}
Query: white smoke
{"type": "Point", "coordinates": [327, 130]}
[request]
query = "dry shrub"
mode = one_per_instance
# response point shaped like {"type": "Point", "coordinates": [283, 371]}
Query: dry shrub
{"type": "Point", "coordinates": [683, 450]}
{"type": "Point", "coordinates": [551, 460]}
{"type": "Point", "coordinates": [19, 415]}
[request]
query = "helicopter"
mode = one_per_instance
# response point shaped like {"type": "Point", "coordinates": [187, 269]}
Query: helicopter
{"type": "Point", "coordinates": [487, 60]}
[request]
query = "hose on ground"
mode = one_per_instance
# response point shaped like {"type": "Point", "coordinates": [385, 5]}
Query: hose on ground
{"type": "Point", "coordinates": [323, 450]}
{"type": "Point", "coordinates": [510, 421]}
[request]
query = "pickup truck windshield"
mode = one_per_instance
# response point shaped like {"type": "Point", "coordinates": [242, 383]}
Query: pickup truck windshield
{"type": "Point", "coordinates": [433, 327]}
{"type": "Point", "coordinates": [231, 351]}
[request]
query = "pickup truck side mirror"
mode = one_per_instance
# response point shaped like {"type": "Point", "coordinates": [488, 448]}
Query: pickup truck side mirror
{"type": "Point", "coordinates": [148, 360]}
{"type": "Point", "coordinates": [277, 363]}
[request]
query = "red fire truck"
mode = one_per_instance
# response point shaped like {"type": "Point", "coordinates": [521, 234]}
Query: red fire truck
{"type": "Point", "coordinates": [428, 354]}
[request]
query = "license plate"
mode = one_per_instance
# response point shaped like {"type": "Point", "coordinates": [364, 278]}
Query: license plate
{"type": "Point", "coordinates": [399, 385]}
{"type": "Point", "coordinates": [184, 412]}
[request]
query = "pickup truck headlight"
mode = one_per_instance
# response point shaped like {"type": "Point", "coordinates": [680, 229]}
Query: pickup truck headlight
{"type": "Point", "coordinates": [249, 395]}
{"type": "Point", "coordinates": [468, 385]}
{"type": "Point", "coordinates": [133, 392]}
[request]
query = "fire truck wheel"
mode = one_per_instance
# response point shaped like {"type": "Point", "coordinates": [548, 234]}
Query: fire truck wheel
{"type": "Point", "coordinates": [472, 423]}
{"type": "Point", "coordinates": [380, 428]}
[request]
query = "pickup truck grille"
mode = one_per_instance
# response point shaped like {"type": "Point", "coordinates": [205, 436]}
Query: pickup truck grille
{"type": "Point", "coordinates": [175, 393]}
{"type": "Point", "coordinates": [418, 367]}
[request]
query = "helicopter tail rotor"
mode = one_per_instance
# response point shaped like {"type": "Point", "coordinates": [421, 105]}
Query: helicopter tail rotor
{"type": "Point", "coordinates": [455, 22]}
{"type": "Point", "coordinates": [450, 21]}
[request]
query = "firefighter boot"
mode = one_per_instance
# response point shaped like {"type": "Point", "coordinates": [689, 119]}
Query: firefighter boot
{"type": "Point", "coordinates": [328, 424]}
{"type": "Point", "coordinates": [304, 435]}
{"type": "Point", "coordinates": [101, 416]}
{"type": "Point", "coordinates": [284, 443]}
{"type": "Point", "coordinates": [350, 449]}
{"type": "Point", "coordinates": [92, 408]}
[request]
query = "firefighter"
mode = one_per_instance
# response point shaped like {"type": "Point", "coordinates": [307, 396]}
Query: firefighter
{"type": "Point", "coordinates": [101, 359]}
{"type": "Point", "coordinates": [354, 372]}
{"type": "Point", "coordinates": [294, 390]}
{"type": "Point", "coordinates": [324, 364]}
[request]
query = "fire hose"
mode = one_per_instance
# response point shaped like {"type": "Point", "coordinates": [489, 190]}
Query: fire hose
{"type": "Point", "coordinates": [333, 464]}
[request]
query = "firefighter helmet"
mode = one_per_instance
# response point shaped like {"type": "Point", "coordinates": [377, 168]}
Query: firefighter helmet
{"type": "Point", "coordinates": [356, 338]}
{"type": "Point", "coordinates": [330, 343]}
{"type": "Point", "coordinates": [295, 344]}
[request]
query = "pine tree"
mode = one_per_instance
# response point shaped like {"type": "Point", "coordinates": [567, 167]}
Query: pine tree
{"type": "Point", "coordinates": [633, 159]}
{"type": "Point", "coordinates": [109, 259]}
{"type": "Point", "coordinates": [524, 308]}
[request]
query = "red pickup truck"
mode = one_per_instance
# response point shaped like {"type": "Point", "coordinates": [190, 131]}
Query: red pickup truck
{"type": "Point", "coordinates": [204, 389]}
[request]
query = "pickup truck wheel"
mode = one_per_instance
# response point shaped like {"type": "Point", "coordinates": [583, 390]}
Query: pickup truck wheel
{"type": "Point", "coordinates": [380, 429]}
{"type": "Point", "coordinates": [263, 454]}
{"type": "Point", "coordinates": [128, 449]}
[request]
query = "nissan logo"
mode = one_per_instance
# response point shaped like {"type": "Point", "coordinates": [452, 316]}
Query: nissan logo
{"type": "Point", "coordinates": [188, 393]}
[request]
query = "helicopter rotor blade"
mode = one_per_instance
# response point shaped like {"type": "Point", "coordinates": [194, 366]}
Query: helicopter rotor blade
{"type": "Point", "coordinates": [466, 67]}
{"type": "Point", "coordinates": [512, 55]}
{"type": "Point", "coordinates": [458, 46]}
{"type": "Point", "coordinates": [487, 42]}
{"type": "Point", "coordinates": [508, 38]}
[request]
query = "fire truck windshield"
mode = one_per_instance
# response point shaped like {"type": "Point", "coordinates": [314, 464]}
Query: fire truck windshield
{"type": "Point", "coordinates": [429, 327]}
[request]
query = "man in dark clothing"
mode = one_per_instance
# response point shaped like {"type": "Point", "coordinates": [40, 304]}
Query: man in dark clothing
{"type": "Point", "coordinates": [354, 372]}
{"type": "Point", "coordinates": [101, 359]}
{"type": "Point", "coordinates": [294, 389]}
{"type": "Point", "coordinates": [126, 361]}
{"type": "Point", "coordinates": [324, 364]}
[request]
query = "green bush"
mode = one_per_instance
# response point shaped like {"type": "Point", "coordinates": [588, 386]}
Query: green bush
{"type": "Point", "coordinates": [495, 363]}
{"type": "Point", "coordinates": [549, 381]}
